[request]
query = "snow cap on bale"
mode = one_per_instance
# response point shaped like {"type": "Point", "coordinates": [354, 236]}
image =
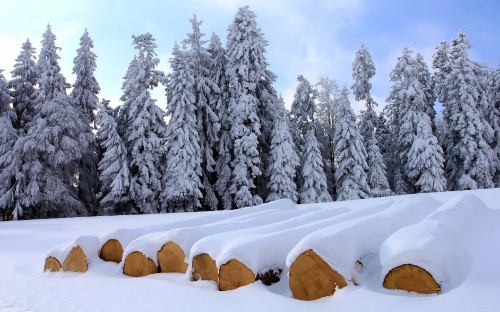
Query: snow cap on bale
{"type": "Point", "coordinates": [74, 256]}
{"type": "Point", "coordinates": [441, 244]}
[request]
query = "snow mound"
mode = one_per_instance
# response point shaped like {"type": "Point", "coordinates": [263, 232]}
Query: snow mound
{"type": "Point", "coordinates": [126, 235]}
{"type": "Point", "coordinates": [441, 243]}
{"type": "Point", "coordinates": [185, 237]}
{"type": "Point", "coordinates": [88, 243]}
{"type": "Point", "coordinates": [344, 244]}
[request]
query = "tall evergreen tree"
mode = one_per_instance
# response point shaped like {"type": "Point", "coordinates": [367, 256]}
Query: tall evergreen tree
{"type": "Point", "coordinates": [113, 167]}
{"type": "Point", "coordinates": [326, 116]}
{"type": "Point", "coordinates": [363, 70]}
{"type": "Point", "coordinates": [182, 178]}
{"type": "Point", "coordinates": [8, 155]}
{"type": "Point", "coordinates": [494, 118]}
{"type": "Point", "coordinates": [219, 100]}
{"type": "Point", "coordinates": [23, 85]}
{"type": "Point", "coordinates": [54, 143]}
{"type": "Point", "coordinates": [302, 112]}
{"type": "Point", "coordinates": [246, 67]}
{"type": "Point", "coordinates": [314, 188]}
{"type": "Point", "coordinates": [206, 118]}
{"type": "Point", "coordinates": [283, 161]}
{"type": "Point", "coordinates": [470, 159]}
{"type": "Point", "coordinates": [144, 126]}
{"type": "Point", "coordinates": [352, 180]}
{"type": "Point", "coordinates": [84, 94]}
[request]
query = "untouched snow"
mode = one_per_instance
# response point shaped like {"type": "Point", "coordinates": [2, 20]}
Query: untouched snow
{"type": "Point", "coordinates": [25, 287]}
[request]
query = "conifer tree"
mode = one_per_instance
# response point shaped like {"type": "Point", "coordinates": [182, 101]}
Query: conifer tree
{"type": "Point", "coordinates": [314, 188]}
{"type": "Point", "coordinates": [113, 168]}
{"type": "Point", "coordinates": [182, 178]}
{"type": "Point", "coordinates": [219, 100]}
{"type": "Point", "coordinates": [246, 67]}
{"type": "Point", "coordinates": [144, 126]}
{"type": "Point", "coordinates": [302, 112]}
{"type": "Point", "coordinates": [84, 94]}
{"type": "Point", "coordinates": [9, 160]}
{"type": "Point", "coordinates": [326, 116]}
{"type": "Point", "coordinates": [54, 143]}
{"type": "Point", "coordinates": [470, 159]}
{"type": "Point", "coordinates": [23, 86]}
{"type": "Point", "coordinates": [351, 177]}
{"type": "Point", "coordinates": [283, 161]}
{"type": "Point", "coordinates": [206, 118]}
{"type": "Point", "coordinates": [363, 70]}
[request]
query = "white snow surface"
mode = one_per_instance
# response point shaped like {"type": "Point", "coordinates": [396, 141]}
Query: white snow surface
{"type": "Point", "coordinates": [185, 237]}
{"type": "Point", "coordinates": [472, 283]}
{"type": "Point", "coordinates": [126, 235]}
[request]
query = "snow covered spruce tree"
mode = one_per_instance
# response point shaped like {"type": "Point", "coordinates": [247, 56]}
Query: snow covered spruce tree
{"type": "Point", "coordinates": [397, 108]}
{"type": "Point", "coordinates": [22, 85]}
{"type": "Point", "coordinates": [144, 127]}
{"type": "Point", "coordinates": [420, 154]}
{"type": "Point", "coordinates": [54, 143]}
{"type": "Point", "coordinates": [8, 155]}
{"type": "Point", "coordinates": [494, 118]}
{"type": "Point", "coordinates": [283, 160]}
{"type": "Point", "coordinates": [252, 103]}
{"type": "Point", "coordinates": [84, 94]}
{"type": "Point", "coordinates": [351, 177]}
{"type": "Point", "coordinates": [219, 100]}
{"type": "Point", "coordinates": [182, 178]}
{"type": "Point", "coordinates": [470, 161]}
{"type": "Point", "coordinates": [206, 115]}
{"type": "Point", "coordinates": [113, 167]}
{"type": "Point", "coordinates": [326, 117]}
{"type": "Point", "coordinates": [302, 112]}
{"type": "Point", "coordinates": [314, 188]}
{"type": "Point", "coordinates": [363, 70]}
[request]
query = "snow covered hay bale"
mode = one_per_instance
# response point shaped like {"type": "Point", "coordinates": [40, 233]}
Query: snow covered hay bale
{"type": "Point", "coordinates": [112, 250]}
{"type": "Point", "coordinates": [235, 274]}
{"type": "Point", "coordinates": [76, 261]}
{"type": "Point", "coordinates": [205, 268]}
{"type": "Point", "coordinates": [312, 278]}
{"type": "Point", "coordinates": [137, 264]}
{"type": "Point", "coordinates": [435, 254]}
{"type": "Point", "coordinates": [52, 265]}
{"type": "Point", "coordinates": [411, 277]}
{"type": "Point", "coordinates": [171, 258]}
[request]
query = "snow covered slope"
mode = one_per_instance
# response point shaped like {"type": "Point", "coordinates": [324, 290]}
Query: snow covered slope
{"type": "Point", "coordinates": [25, 287]}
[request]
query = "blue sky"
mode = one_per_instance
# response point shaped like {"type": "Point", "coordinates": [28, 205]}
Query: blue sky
{"type": "Point", "coordinates": [312, 37]}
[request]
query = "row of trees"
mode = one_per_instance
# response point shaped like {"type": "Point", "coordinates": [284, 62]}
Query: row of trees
{"type": "Point", "coordinates": [229, 141]}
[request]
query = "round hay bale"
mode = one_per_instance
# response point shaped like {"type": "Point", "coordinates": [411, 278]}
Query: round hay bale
{"type": "Point", "coordinates": [112, 250]}
{"type": "Point", "coordinates": [76, 261]}
{"type": "Point", "coordinates": [234, 274]}
{"type": "Point", "coordinates": [312, 278]}
{"type": "Point", "coordinates": [171, 258]}
{"type": "Point", "coordinates": [411, 277]}
{"type": "Point", "coordinates": [205, 268]}
{"type": "Point", "coordinates": [52, 265]}
{"type": "Point", "coordinates": [137, 264]}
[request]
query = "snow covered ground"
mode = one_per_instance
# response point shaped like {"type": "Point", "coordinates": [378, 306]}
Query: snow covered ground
{"type": "Point", "coordinates": [25, 287]}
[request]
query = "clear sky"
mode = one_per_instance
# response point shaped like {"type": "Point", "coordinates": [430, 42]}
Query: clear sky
{"type": "Point", "coordinates": [309, 37]}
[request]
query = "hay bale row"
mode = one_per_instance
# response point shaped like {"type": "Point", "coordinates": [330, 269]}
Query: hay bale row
{"type": "Point", "coordinates": [171, 249]}
{"type": "Point", "coordinates": [113, 243]}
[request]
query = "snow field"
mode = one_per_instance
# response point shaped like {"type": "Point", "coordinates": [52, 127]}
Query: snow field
{"type": "Point", "coordinates": [457, 231]}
